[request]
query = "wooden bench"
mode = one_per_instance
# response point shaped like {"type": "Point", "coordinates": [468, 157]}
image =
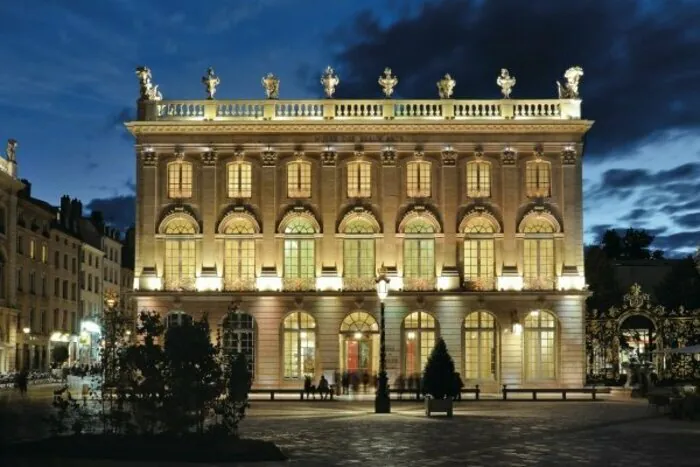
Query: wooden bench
{"type": "Point", "coordinates": [416, 395]}
{"type": "Point", "coordinates": [593, 391]}
{"type": "Point", "coordinates": [301, 393]}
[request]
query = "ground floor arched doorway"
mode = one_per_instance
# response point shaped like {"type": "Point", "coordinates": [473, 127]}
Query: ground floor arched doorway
{"type": "Point", "coordinates": [359, 349]}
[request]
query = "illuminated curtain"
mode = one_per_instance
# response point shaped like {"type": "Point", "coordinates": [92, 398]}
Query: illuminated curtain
{"type": "Point", "coordinates": [359, 179]}
{"type": "Point", "coordinates": [479, 254]}
{"type": "Point", "coordinates": [538, 179]}
{"type": "Point", "coordinates": [239, 255]}
{"type": "Point", "coordinates": [180, 261]}
{"type": "Point", "coordinates": [538, 252]}
{"type": "Point", "coordinates": [299, 179]}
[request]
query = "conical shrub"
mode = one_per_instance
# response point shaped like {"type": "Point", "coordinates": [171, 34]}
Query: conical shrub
{"type": "Point", "coordinates": [439, 373]}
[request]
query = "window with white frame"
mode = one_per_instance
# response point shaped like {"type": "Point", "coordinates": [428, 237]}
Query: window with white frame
{"type": "Point", "coordinates": [180, 254]}
{"type": "Point", "coordinates": [419, 250]}
{"type": "Point", "coordinates": [480, 353]}
{"type": "Point", "coordinates": [299, 249]}
{"type": "Point", "coordinates": [419, 334]}
{"type": "Point", "coordinates": [238, 337]}
{"type": "Point", "coordinates": [239, 254]}
{"type": "Point", "coordinates": [299, 345]}
{"type": "Point", "coordinates": [540, 346]}
{"type": "Point", "coordinates": [479, 255]}
{"type": "Point", "coordinates": [358, 255]}
{"type": "Point", "coordinates": [538, 254]}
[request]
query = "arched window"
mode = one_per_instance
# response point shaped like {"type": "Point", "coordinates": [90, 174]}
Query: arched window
{"type": "Point", "coordinates": [538, 179]}
{"type": "Point", "coordinates": [538, 252]}
{"type": "Point", "coordinates": [359, 343]}
{"type": "Point", "coordinates": [299, 179]}
{"type": "Point", "coordinates": [299, 254]}
{"type": "Point", "coordinates": [238, 337]}
{"type": "Point", "coordinates": [479, 254]}
{"type": "Point", "coordinates": [179, 254]}
{"type": "Point", "coordinates": [239, 175]}
{"type": "Point", "coordinates": [179, 180]}
{"type": "Point", "coordinates": [419, 255]}
{"type": "Point", "coordinates": [358, 255]}
{"type": "Point", "coordinates": [540, 346]}
{"type": "Point", "coordinates": [299, 345]}
{"type": "Point", "coordinates": [419, 333]}
{"type": "Point", "coordinates": [177, 318]}
{"type": "Point", "coordinates": [480, 352]}
{"type": "Point", "coordinates": [239, 255]}
{"type": "Point", "coordinates": [478, 179]}
{"type": "Point", "coordinates": [418, 179]}
{"type": "Point", "coordinates": [359, 179]}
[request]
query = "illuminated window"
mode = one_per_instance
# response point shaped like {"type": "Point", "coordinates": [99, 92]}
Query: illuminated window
{"type": "Point", "coordinates": [418, 179]}
{"type": "Point", "coordinates": [238, 337]}
{"type": "Point", "coordinates": [540, 349]}
{"type": "Point", "coordinates": [179, 254]}
{"type": "Point", "coordinates": [32, 249]}
{"type": "Point", "coordinates": [419, 332]}
{"type": "Point", "coordinates": [239, 255]}
{"type": "Point", "coordinates": [359, 179]}
{"type": "Point", "coordinates": [179, 180]}
{"type": "Point", "coordinates": [239, 179]}
{"type": "Point", "coordinates": [480, 346]}
{"type": "Point", "coordinates": [299, 246]}
{"type": "Point", "coordinates": [358, 255]}
{"type": "Point", "coordinates": [299, 345]}
{"type": "Point", "coordinates": [44, 254]}
{"type": "Point", "coordinates": [538, 179]}
{"type": "Point", "coordinates": [419, 251]}
{"type": "Point", "coordinates": [299, 179]}
{"type": "Point", "coordinates": [359, 343]}
{"type": "Point", "coordinates": [538, 255]}
{"type": "Point", "coordinates": [478, 179]}
{"type": "Point", "coordinates": [479, 259]}
{"type": "Point", "coordinates": [177, 318]}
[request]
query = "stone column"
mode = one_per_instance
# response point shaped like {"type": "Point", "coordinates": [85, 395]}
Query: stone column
{"type": "Point", "coordinates": [572, 208]}
{"type": "Point", "coordinates": [146, 209]}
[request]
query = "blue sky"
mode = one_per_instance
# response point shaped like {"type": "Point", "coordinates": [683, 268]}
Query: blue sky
{"type": "Point", "coordinates": [68, 82]}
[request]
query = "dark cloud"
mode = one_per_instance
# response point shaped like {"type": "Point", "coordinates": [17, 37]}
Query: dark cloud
{"type": "Point", "coordinates": [622, 183]}
{"type": "Point", "coordinates": [119, 211]}
{"type": "Point", "coordinates": [691, 221]}
{"type": "Point", "coordinates": [131, 185]}
{"type": "Point", "coordinates": [638, 58]}
{"type": "Point", "coordinates": [693, 205]}
{"type": "Point", "coordinates": [678, 244]}
{"type": "Point", "coordinates": [637, 214]}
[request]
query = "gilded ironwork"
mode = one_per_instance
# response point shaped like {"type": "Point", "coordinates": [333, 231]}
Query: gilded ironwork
{"type": "Point", "coordinates": [672, 329]}
{"type": "Point", "coordinates": [388, 81]}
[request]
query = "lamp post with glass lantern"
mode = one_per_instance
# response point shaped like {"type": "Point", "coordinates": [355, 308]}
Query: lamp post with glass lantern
{"type": "Point", "coordinates": [382, 402]}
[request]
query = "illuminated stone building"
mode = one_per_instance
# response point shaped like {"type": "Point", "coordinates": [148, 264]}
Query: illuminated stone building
{"type": "Point", "coordinates": [273, 217]}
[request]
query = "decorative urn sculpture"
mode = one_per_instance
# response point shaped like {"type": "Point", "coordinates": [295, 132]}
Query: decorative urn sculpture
{"type": "Point", "coordinates": [570, 89]}
{"type": "Point", "coordinates": [446, 86]}
{"type": "Point", "coordinates": [210, 81]}
{"type": "Point", "coordinates": [329, 80]}
{"type": "Point", "coordinates": [271, 83]}
{"type": "Point", "coordinates": [148, 91]}
{"type": "Point", "coordinates": [388, 82]}
{"type": "Point", "coordinates": [506, 83]}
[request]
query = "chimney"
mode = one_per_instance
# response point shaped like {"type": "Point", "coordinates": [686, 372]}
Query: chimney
{"type": "Point", "coordinates": [65, 210]}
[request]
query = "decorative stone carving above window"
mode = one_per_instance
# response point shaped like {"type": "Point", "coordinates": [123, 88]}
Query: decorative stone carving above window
{"type": "Point", "coordinates": [449, 157]}
{"type": "Point", "coordinates": [269, 158]}
{"type": "Point", "coordinates": [209, 158]}
{"type": "Point", "coordinates": [149, 158]}
{"type": "Point", "coordinates": [389, 157]}
{"type": "Point", "coordinates": [179, 153]}
{"type": "Point", "coordinates": [478, 151]}
{"type": "Point", "coordinates": [569, 155]}
{"type": "Point", "coordinates": [329, 158]}
{"type": "Point", "coordinates": [508, 156]}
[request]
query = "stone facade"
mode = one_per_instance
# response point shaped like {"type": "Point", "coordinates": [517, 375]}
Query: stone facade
{"type": "Point", "coordinates": [509, 287]}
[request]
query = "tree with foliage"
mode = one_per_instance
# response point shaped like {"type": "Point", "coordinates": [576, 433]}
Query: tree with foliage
{"type": "Point", "coordinates": [230, 410]}
{"type": "Point", "coordinates": [439, 373]}
{"type": "Point", "coordinates": [634, 244]}
{"type": "Point", "coordinates": [681, 286]}
{"type": "Point", "coordinates": [600, 278]}
{"type": "Point", "coordinates": [59, 354]}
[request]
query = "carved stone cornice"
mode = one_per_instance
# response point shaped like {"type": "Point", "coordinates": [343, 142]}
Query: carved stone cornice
{"type": "Point", "coordinates": [269, 158]}
{"type": "Point", "coordinates": [449, 157]}
{"type": "Point", "coordinates": [478, 151]}
{"type": "Point", "coordinates": [329, 158]}
{"type": "Point", "coordinates": [390, 126]}
{"type": "Point", "coordinates": [388, 156]}
{"type": "Point", "coordinates": [509, 156]}
{"type": "Point", "coordinates": [148, 158]}
{"type": "Point", "coordinates": [209, 158]}
{"type": "Point", "coordinates": [569, 155]}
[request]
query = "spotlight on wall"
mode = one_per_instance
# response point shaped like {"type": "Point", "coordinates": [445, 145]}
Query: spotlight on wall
{"type": "Point", "coordinates": [516, 327]}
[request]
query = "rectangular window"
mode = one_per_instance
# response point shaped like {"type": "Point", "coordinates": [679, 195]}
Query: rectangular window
{"type": "Point", "coordinates": [299, 259]}
{"type": "Point", "coordinates": [299, 353]}
{"type": "Point", "coordinates": [299, 179]}
{"type": "Point", "coordinates": [179, 180]}
{"type": "Point", "coordinates": [20, 245]}
{"type": "Point", "coordinates": [239, 180]}
{"type": "Point", "coordinates": [540, 354]}
{"type": "Point", "coordinates": [538, 181]}
{"type": "Point", "coordinates": [478, 179]}
{"type": "Point", "coordinates": [32, 282]}
{"type": "Point", "coordinates": [419, 258]}
{"type": "Point", "coordinates": [479, 263]}
{"type": "Point", "coordinates": [358, 258]}
{"type": "Point", "coordinates": [418, 179]}
{"type": "Point", "coordinates": [32, 249]}
{"type": "Point", "coordinates": [44, 254]}
{"type": "Point", "coordinates": [538, 263]}
{"type": "Point", "coordinates": [239, 263]}
{"type": "Point", "coordinates": [179, 264]}
{"type": "Point", "coordinates": [19, 279]}
{"type": "Point", "coordinates": [359, 179]}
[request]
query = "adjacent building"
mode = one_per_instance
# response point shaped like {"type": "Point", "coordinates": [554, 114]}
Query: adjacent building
{"type": "Point", "coordinates": [274, 216]}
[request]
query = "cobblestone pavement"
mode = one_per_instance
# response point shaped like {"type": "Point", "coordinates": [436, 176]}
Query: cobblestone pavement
{"type": "Point", "coordinates": [486, 433]}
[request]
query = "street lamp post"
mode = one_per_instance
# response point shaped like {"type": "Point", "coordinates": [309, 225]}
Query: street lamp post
{"type": "Point", "coordinates": [382, 402]}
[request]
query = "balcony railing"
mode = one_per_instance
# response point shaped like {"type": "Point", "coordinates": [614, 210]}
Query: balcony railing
{"type": "Point", "coordinates": [539, 283]}
{"type": "Point", "coordinates": [359, 283]}
{"type": "Point", "coordinates": [354, 109]}
{"type": "Point", "coordinates": [299, 284]}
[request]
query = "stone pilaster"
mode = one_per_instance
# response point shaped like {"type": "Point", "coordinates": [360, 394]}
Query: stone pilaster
{"type": "Point", "coordinates": [449, 185]}
{"type": "Point", "coordinates": [328, 203]}
{"type": "Point", "coordinates": [268, 207]}
{"type": "Point", "coordinates": [147, 190]}
{"type": "Point", "coordinates": [510, 183]}
{"type": "Point", "coordinates": [209, 202]}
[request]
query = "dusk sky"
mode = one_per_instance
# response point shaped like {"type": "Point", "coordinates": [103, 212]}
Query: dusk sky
{"type": "Point", "coordinates": [68, 82]}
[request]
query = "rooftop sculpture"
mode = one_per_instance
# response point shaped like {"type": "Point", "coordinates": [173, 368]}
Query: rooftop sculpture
{"type": "Point", "coordinates": [387, 82]}
{"type": "Point", "coordinates": [11, 151]}
{"type": "Point", "coordinates": [329, 80]}
{"type": "Point", "coordinates": [446, 86]}
{"type": "Point", "coordinates": [506, 82]}
{"type": "Point", "coordinates": [570, 89]}
{"type": "Point", "coordinates": [210, 81]}
{"type": "Point", "coordinates": [148, 91]}
{"type": "Point", "coordinates": [272, 86]}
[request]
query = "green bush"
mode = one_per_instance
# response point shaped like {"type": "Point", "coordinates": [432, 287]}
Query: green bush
{"type": "Point", "coordinates": [439, 373]}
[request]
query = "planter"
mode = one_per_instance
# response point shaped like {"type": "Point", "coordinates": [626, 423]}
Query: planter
{"type": "Point", "coordinates": [438, 405]}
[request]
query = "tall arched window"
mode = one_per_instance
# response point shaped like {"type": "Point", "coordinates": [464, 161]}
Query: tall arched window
{"type": "Point", "coordinates": [419, 333]}
{"type": "Point", "coordinates": [179, 254]}
{"type": "Point", "coordinates": [239, 254]}
{"type": "Point", "coordinates": [238, 337]}
{"type": "Point", "coordinates": [479, 254]}
{"type": "Point", "coordinates": [299, 257]}
{"type": "Point", "coordinates": [538, 179]}
{"type": "Point", "coordinates": [419, 255]}
{"type": "Point", "coordinates": [540, 346]}
{"type": "Point", "coordinates": [478, 179]}
{"type": "Point", "coordinates": [359, 179]}
{"type": "Point", "coordinates": [299, 179]}
{"type": "Point", "coordinates": [418, 179]}
{"type": "Point", "coordinates": [359, 343]}
{"type": "Point", "coordinates": [299, 345]}
{"type": "Point", "coordinates": [480, 351]}
{"type": "Point", "coordinates": [358, 255]}
{"type": "Point", "coordinates": [179, 180]}
{"type": "Point", "coordinates": [538, 252]}
{"type": "Point", "coordinates": [239, 179]}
